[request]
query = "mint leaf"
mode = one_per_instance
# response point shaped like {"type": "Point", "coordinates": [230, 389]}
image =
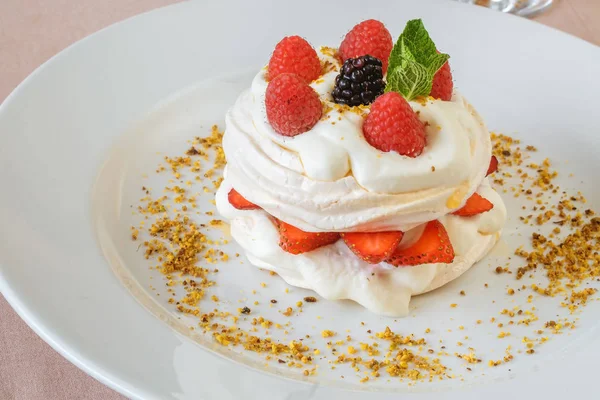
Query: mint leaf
{"type": "Point", "coordinates": [410, 80]}
{"type": "Point", "coordinates": [435, 62]}
{"type": "Point", "coordinates": [417, 39]}
{"type": "Point", "coordinates": [414, 46]}
{"type": "Point", "coordinates": [404, 52]}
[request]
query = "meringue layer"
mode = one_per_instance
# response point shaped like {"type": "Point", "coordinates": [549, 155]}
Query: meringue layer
{"type": "Point", "coordinates": [335, 272]}
{"type": "Point", "coordinates": [331, 179]}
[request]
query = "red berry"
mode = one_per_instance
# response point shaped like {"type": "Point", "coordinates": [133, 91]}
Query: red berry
{"type": "Point", "coordinates": [432, 247]}
{"type": "Point", "coordinates": [493, 166]}
{"type": "Point", "coordinates": [293, 107]}
{"type": "Point", "coordinates": [442, 83]}
{"type": "Point", "coordinates": [295, 55]}
{"type": "Point", "coordinates": [238, 201]}
{"type": "Point", "coordinates": [373, 247]}
{"type": "Point", "coordinates": [474, 205]}
{"type": "Point", "coordinates": [297, 241]}
{"type": "Point", "coordinates": [369, 37]}
{"type": "Point", "coordinates": [392, 125]}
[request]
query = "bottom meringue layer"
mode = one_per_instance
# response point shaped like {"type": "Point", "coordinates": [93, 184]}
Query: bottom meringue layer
{"type": "Point", "coordinates": [335, 272]}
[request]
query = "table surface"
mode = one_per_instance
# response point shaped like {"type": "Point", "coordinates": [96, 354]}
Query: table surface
{"type": "Point", "coordinates": [29, 368]}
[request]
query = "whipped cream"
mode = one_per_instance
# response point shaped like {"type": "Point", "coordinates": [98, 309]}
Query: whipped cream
{"type": "Point", "coordinates": [335, 272]}
{"type": "Point", "coordinates": [331, 179]}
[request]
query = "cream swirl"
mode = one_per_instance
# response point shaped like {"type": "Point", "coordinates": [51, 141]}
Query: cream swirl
{"type": "Point", "coordinates": [331, 179]}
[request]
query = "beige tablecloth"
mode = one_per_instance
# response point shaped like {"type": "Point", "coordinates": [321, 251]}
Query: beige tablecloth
{"type": "Point", "coordinates": [31, 31]}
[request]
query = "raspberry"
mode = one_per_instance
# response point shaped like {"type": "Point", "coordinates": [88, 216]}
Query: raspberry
{"type": "Point", "coordinates": [296, 56]}
{"type": "Point", "coordinates": [442, 83]}
{"type": "Point", "coordinates": [293, 107]}
{"type": "Point", "coordinates": [392, 125]}
{"type": "Point", "coordinates": [359, 82]}
{"type": "Point", "coordinates": [368, 37]}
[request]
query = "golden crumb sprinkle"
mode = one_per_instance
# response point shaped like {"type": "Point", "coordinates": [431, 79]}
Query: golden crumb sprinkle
{"type": "Point", "coordinates": [470, 358]}
{"type": "Point", "coordinates": [288, 312]}
{"type": "Point", "coordinates": [558, 260]}
{"type": "Point", "coordinates": [329, 51]}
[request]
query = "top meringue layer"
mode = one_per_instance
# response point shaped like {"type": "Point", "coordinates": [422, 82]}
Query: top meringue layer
{"type": "Point", "coordinates": [331, 179]}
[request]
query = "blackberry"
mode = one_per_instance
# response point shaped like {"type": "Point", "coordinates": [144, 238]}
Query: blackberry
{"type": "Point", "coordinates": [360, 81]}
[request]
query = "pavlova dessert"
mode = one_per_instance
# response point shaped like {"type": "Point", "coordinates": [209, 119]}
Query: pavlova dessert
{"type": "Point", "coordinates": [359, 172]}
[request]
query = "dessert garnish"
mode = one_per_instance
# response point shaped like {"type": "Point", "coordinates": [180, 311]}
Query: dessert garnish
{"type": "Point", "coordinates": [359, 82]}
{"type": "Point", "coordinates": [238, 201]}
{"type": "Point", "coordinates": [294, 55]}
{"type": "Point", "coordinates": [493, 166]}
{"type": "Point", "coordinates": [475, 204]}
{"type": "Point", "coordinates": [293, 107]}
{"type": "Point", "coordinates": [373, 247]}
{"type": "Point", "coordinates": [368, 37]}
{"type": "Point", "coordinates": [416, 68]}
{"type": "Point", "coordinates": [432, 247]}
{"type": "Point", "coordinates": [392, 125]}
{"type": "Point", "coordinates": [296, 241]}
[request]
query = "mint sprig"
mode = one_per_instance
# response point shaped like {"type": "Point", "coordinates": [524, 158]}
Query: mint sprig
{"type": "Point", "coordinates": [413, 62]}
{"type": "Point", "coordinates": [411, 80]}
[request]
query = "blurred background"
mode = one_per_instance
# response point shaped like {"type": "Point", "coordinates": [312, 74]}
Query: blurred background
{"type": "Point", "coordinates": [524, 8]}
{"type": "Point", "coordinates": [31, 31]}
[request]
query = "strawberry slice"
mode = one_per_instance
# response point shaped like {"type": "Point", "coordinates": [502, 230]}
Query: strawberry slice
{"type": "Point", "coordinates": [493, 166]}
{"type": "Point", "coordinates": [296, 241]}
{"type": "Point", "coordinates": [474, 205]}
{"type": "Point", "coordinates": [432, 247]}
{"type": "Point", "coordinates": [373, 247]}
{"type": "Point", "coordinates": [238, 201]}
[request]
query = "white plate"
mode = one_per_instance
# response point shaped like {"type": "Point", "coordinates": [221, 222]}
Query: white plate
{"type": "Point", "coordinates": [92, 101]}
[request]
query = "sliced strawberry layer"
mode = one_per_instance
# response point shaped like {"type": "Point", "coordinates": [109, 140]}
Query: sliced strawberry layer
{"type": "Point", "coordinates": [493, 166]}
{"type": "Point", "coordinates": [238, 201]}
{"type": "Point", "coordinates": [373, 247]}
{"type": "Point", "coordinates": [432, 247]}
{"type": "Point", "coordinates": [296, 241]}
{"type": "Point", "coordinates": [475, 204]}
